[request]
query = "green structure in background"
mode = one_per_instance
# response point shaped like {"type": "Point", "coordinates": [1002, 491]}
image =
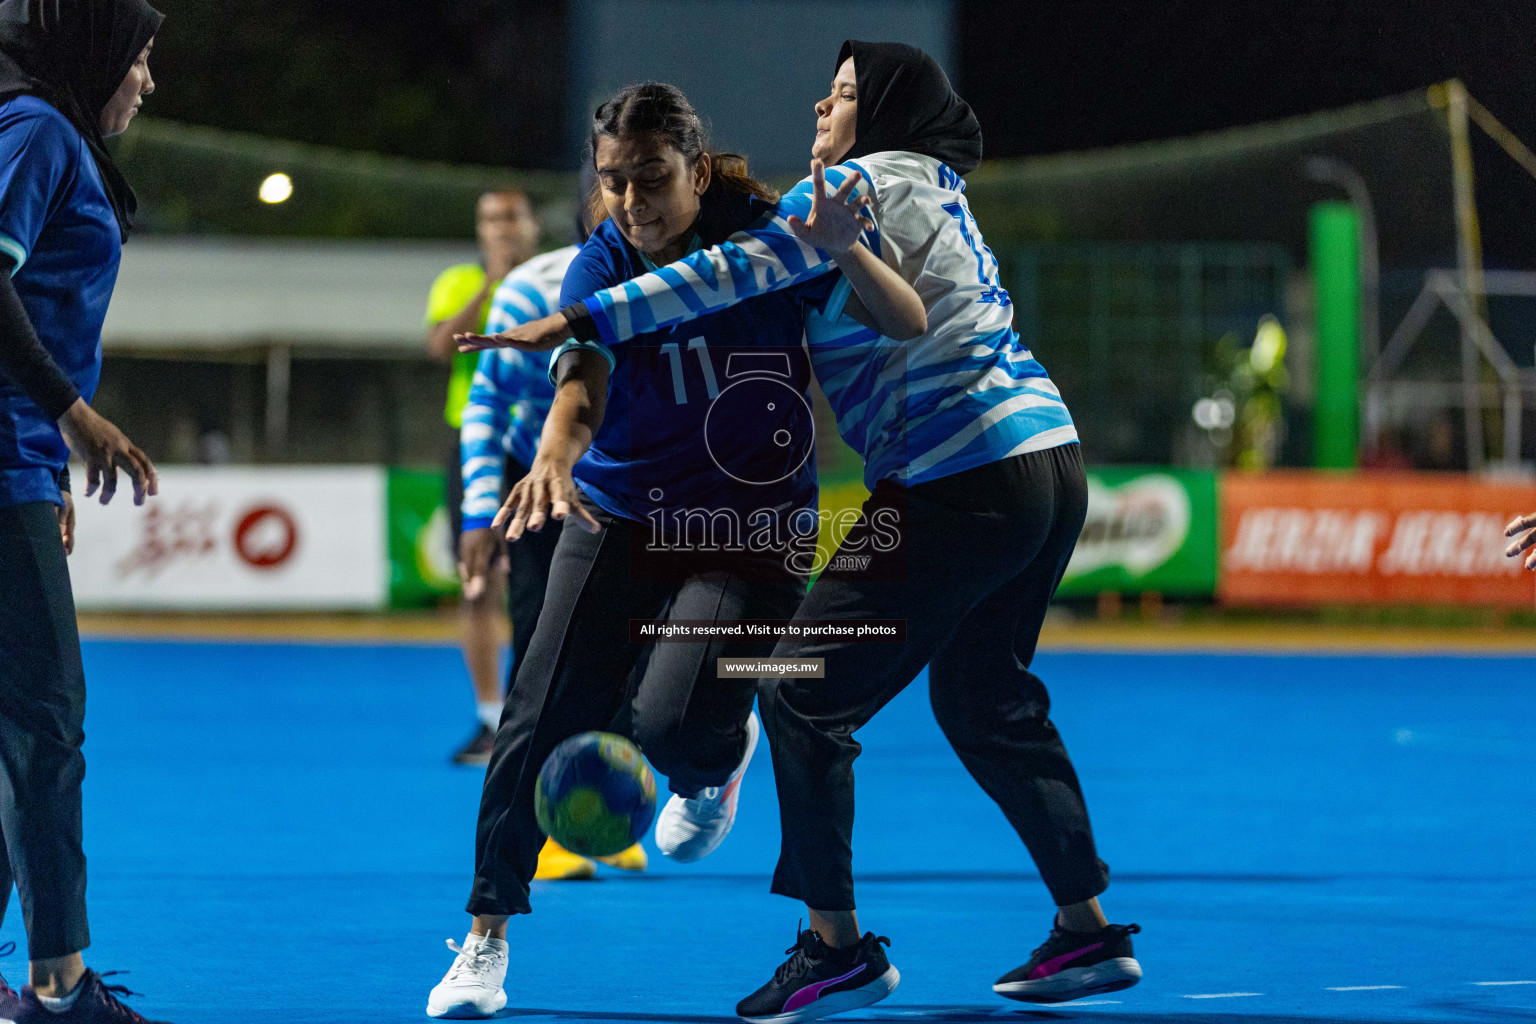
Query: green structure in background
{"type": "Point", "coordinates": [1334, 243]}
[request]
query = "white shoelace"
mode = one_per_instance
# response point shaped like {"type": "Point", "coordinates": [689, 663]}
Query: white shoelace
{"type": "Point", "coordinates": [475, 961]}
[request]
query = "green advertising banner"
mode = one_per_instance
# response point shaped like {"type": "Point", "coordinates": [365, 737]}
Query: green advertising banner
{"type": "Point", "coordinates": [421, 563]}
{"type": "Point", "coordinates": [1147, 530]}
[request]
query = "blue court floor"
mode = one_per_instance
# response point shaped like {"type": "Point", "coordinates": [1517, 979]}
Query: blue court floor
{"type": "Point", "coordinates": [275, 834]}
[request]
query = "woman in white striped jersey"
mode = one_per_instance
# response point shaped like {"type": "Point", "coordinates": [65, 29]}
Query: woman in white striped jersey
{"type": "Point", "coordinates": [973, 463]}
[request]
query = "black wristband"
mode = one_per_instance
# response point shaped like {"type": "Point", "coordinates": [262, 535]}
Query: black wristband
{"type": "Point", "coordinates": [64, 479]}
{"type": "Point", "coordinates": [579, 318]}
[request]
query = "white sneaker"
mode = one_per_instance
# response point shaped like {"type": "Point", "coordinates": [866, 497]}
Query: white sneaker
{"type": "Point", "coordinates": [472, 987]}
{"type": "Point", "coordinates": [690, 830]}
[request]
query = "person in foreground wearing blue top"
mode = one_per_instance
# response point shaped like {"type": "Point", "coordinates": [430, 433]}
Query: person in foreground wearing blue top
{"type": "Point", "coordinates": [71, 73]}
{"type": "Point", "coordinates": [693, 448]}
{"type": "Point", "coordinates": [973, 462]}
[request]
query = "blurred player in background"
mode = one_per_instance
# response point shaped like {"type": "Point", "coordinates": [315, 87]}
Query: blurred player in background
{"type": "Point", "coordinates": [508, 402]}
{"type": "Point", "coordinates": [71, 73]}
{"type": "Point", "coordinates": [459, 302]}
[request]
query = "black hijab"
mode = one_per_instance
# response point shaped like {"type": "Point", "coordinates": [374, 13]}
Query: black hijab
{"type": "Point", "coordinates": [907, 103]}
{"type": "Point", "coordinates": [74, 54]}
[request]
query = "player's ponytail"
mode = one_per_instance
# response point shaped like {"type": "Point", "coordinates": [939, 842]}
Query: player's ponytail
{"type": "Point", "coordinates": [661, 110]}
{"type": "Point", "coordinates": [730, 171]}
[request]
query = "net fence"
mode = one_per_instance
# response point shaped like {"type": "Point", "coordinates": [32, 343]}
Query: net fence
{"type": "Point", "coordinates": [1135, 271]}
{"type": "Point", "coordinates": [1139, 272]}
{"type": "Point", "coordinates": [194, 180]}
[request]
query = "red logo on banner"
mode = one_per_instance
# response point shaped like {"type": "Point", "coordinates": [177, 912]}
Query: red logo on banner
{"type": "Point", "coordinates": [170, 533]}
{"type": "Point", "coordinates": [266, 537]}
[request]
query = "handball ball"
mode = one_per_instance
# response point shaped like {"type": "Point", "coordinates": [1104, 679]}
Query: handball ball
{"type": "Point", "coordinates": [595, 795]}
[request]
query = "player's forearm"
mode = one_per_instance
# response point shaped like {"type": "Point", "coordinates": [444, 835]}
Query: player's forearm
{"type": "Point", "coordinates": [894, 308]}
{"type": "Point", "coordinates": [567, 434]}
{"type": "Point", "coordinates": [440, 344]}
{"type": "Point", "coordinates": [581, 396]}
{"type": "Point", "coordinates": [23, 359]}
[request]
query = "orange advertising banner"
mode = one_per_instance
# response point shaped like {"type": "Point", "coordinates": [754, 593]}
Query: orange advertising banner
{"type": "Point", "coordinates": [1298, 537]}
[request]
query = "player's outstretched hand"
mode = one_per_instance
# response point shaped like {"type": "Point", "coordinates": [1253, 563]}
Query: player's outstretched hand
{"type": "Point", "coordinates": [479, 551]}
{"type": "Point", "coordinates": [1526, 526]}
{"type": "Point", "coordinates": [836, 221]}
{"type": "Point", "coordinates": [534, 336]}
{"type": "Point", "coordinates": [548, 491]}
{"type": "Point", "coordinates": [104, 449]}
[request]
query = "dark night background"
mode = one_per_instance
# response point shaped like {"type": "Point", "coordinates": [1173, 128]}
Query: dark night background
{"type": "Point", "coordinates": [481, 82]}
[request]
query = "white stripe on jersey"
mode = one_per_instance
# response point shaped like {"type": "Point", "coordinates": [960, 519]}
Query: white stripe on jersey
{"type": "Point", "coordinates": [994, 415]}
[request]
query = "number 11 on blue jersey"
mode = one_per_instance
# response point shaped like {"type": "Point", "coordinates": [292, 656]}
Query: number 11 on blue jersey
{"type": "Point", "coordinates": [674, 354]}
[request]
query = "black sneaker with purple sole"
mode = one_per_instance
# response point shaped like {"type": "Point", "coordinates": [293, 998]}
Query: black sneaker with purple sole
{"type": "Point", "coordinates": [817, 981]}
{"type": "Point", "coordinates": [1071, 965]}
{"type": "Point", "coordinates": [96, 1002]}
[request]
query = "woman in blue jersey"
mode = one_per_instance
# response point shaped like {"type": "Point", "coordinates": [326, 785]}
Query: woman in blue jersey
{"type": "Point", "coordinates": [681, 464]}
{"type": "Point", "coordinates": [973, 462]}
{"type": "Point", "coordinates": [71, 73]}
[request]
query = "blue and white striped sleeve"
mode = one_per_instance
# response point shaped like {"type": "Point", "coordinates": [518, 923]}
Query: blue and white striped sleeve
{"type": "Point", "coordinates": [487, 419]}
{"type": "Point", "coordinates": [515, 302]}
{"type": "Point", "coordinates": [758, 260]}
{"type": "Point", "coordinates": [499, 384]}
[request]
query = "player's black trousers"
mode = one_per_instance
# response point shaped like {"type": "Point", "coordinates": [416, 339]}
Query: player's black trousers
{"type": "Point", "coordinates": [981, 554]}
{"type": "Point", "coordinates": [42, 726]}
{"type": "Point", "coordinates": [527, 576]}
{"type": "Point", "coordinates": [581, 665]}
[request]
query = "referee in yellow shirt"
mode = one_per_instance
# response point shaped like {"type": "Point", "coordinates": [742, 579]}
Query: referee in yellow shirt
{"type": "Point", "coordinates": [460, 300]}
